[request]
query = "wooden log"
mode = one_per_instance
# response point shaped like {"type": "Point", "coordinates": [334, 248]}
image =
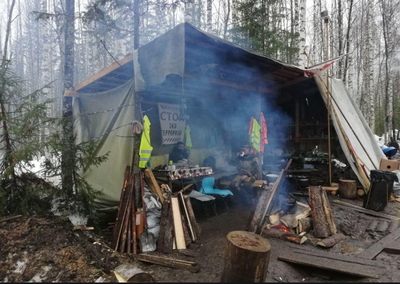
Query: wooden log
{"type": "Point", "coordinates": [178, 227]}
{"type": "Point", "coordinates": [287, 236]}
{"type": "Point", "coordinates": [393, 225]}
{"type": "Point", "coordinates": [348, 188]}
{"type": "Point", "coordinates": [192, 217]}
{"type": "Point", "coordinates": [246, 258]}
{"type": "Point", "coordinates": [382, 226]}
{"type": "Point", "coordinates": [360, 192]}
{"type": "Point", "coordinates": [322, 217]}
{"type": "Point", "coordinates": [153, 185]}
{"type": "Point", "coordinates": [304, 225]}
{"type": "Point", "coordinates": [366, 211]}
{"type": "Point", "coordinates": [372, 226]}
{"type": "Point", "coordinates": [331, 241]}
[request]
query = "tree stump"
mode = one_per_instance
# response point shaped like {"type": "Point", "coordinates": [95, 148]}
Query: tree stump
{"type": "Point", "coordinates": [321, 213]}
{"type": "Point", "coordinates": [246, 258]}
{"type": "Point", "coordinates": [348, 188]}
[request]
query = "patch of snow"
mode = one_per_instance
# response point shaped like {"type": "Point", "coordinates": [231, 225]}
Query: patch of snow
{"type": "Point", "coordinates": [78, 220]}
{"type": "Point", "coordinates": [20, 266]}
{"type": "Point", "coordinates": [100, 280]}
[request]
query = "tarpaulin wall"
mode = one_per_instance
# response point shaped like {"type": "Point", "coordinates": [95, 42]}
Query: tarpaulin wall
{"type": "Point", "coordinates": [106, 117]}
{"type": "Point", "coordinates": [356, 138]}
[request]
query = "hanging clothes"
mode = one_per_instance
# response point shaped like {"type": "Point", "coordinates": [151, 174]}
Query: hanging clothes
{"type": "Point", "coordinates": [145, 146]}
{"type": "Point", "coordinates": [188, 139]}
{"type": "Point", "coordinates": [254, 132]}
{"type": "Point", "coordinates": [264, 133]}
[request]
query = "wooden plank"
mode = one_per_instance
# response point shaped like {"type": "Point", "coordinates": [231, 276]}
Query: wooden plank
{"type": "Point", "coordinates": [393, 247]}
{"type": "Point", "coordinates": [152, 182]}
{"type": "Point", "coordinates": [192, 234]}
{"type": "Point", "coordinates": [103, 72]}
{"type": "Point", "coordinates": [192, 217]}
{"type": "Point", "coordinates": [366, 211]}
{"type": "Point", "coordinates": [328, 264]}
{"type": "Point", "coordinates": [376, 248]}
{"type": "Point", "coordinates": [178, 227]}
{"type": "Point", "coordinates": [169, 262]}
{"type": "Point", "coordinates": [334, 256]}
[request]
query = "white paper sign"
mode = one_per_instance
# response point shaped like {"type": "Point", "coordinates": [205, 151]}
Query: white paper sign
{"type": "Point", "coordinates": [172, 126]}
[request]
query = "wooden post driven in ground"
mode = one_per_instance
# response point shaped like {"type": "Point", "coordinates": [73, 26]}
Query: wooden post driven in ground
{"type": "Point", "coordinates": [246, 258]}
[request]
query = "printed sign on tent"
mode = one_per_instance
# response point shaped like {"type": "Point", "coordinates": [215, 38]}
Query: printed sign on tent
{"type": "Point", "coordinates": [172, 126]}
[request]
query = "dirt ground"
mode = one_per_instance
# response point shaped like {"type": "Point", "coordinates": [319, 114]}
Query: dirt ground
{"type": "Point", "coordinates": [34, 249]}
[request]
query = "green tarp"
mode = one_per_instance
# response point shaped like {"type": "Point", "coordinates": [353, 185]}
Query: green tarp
{"type": "Point", "coordinates": [106, 117]}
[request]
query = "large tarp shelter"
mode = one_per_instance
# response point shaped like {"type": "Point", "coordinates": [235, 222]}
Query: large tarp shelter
{"type": "Point", "coordinates": [208, 72]}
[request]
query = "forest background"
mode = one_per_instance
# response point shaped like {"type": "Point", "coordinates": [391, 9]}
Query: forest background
{"type": "Point", "coordinates": [365, 31]}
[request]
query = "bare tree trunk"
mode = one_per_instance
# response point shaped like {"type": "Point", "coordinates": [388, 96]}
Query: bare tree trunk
{"type": "Point", "coordinates": [370, 77]}
{"type": "Point", "coordinates": [8, 161]}
{"type": "Point", "coordinates": [302, 33]}
{"type": "Point", "coordinates": [188, 11]}
{"type": "Point", "coordinates": [68, 153]}
{"type": "Point", "coordinates": [340, 36]}
{"type": "Point", "coordinates": [209, 15]}
{"type": "Point", "coordinates": [227, 16]}
{"type": "Point", "coordinates": [347, 60]}
{"type": "Point", "coordinates": [136, 23]}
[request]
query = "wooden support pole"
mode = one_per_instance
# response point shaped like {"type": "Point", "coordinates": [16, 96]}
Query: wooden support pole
{"type": "Point", "coordinates": [246, 258]}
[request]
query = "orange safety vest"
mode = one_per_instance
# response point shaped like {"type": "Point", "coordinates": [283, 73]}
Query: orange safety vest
{"type": "Point", "coordinates": [264, 132]}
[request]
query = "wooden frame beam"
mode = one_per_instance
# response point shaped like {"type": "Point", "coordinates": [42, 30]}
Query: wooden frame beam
{"type": "Point", "coordinates": [103, 72]}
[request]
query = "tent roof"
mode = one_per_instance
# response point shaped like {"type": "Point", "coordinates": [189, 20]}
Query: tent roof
{"type": "Point", "coordinates": [202, 51]}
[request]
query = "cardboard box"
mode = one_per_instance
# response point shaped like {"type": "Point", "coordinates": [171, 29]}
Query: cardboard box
{"type": "Point", "coordinates": [388, 165]}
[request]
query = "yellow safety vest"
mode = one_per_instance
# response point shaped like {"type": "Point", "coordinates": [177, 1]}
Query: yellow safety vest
{"type": "Point", "coordinates": [255, 138]}
{"type": "Point", "coordinates": [145, 146]}
{"type": "Point", "coordinates": [188, 139]}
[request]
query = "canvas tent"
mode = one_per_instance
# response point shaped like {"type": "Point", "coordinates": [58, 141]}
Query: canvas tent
{"type": "Point", "coordinates": [222, 84]}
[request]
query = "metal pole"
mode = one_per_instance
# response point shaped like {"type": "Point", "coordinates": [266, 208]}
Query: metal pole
{"type": "Point", "coordinates": [328, 102]}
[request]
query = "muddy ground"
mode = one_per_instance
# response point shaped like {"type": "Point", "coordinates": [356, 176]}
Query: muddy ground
{"type": "Point", "coordinates": [34, 249]}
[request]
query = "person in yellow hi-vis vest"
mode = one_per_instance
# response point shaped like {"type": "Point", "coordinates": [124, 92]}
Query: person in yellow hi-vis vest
{"type": "Point", "coordinates": [145, 146]}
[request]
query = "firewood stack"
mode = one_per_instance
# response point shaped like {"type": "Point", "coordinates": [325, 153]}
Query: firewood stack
{"type": "Point", "coordinates": [178, 226]}
{"type": "Point", "coordinates": [125, 233]}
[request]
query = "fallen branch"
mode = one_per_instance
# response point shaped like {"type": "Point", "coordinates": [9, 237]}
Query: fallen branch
{"type": "Point", "coordinates": [10, 218]}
